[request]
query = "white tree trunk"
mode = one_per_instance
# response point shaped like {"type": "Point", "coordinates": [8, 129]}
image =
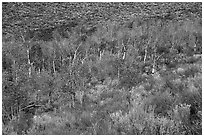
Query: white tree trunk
{"type": "Point", "coordinates": [154, 66]}
{"type": "Point", "coordinates": [53, 65]}
{"type": "Point", "coordinates": [145, 56]}
{"type": "Point", "coordinates": [124, 55]}
{"type": "Point", "coordinates": [29, 64]}
{"type": "Point", "coordinates": [14, 71]}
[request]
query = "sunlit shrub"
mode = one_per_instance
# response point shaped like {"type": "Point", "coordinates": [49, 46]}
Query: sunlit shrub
{"type": "Point", "coordinates": [181, 113]}
{"type": "Point", "coordinates": [162, 103]}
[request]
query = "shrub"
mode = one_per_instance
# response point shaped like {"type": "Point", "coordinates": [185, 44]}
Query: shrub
{"type": "Point", "coordinates": [130, 79]}
{"type": "Point", "coordinates": [161, 102]}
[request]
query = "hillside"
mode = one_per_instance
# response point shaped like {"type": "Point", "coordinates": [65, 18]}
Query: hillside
{"type": "Point", "coordinates": [45, 15]}
{"type": "Point", "coordinates": [102, 68]}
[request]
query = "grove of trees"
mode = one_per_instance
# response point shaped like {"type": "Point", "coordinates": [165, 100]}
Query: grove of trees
{"type": "Point", "coordinates": [103, 69]}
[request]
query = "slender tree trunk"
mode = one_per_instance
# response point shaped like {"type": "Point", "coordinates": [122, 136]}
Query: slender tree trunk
{"type": "Point", "coordinates": [124, 53]}
{"type": "Point", "coordinates": [146, 49]}
{"type": "Point", "coordinates": [155, 57]}
{"type": "Point", "coordinates": [53, 63]}
{"type": "Point", "coordinates": [123, 50]}
{"type": "Point", "coordinates": [194, 48]}
{"type": "Point", "coordinates": [101, 54]}
{"type": "Point", "coordinates": [73, 60]}
{"type": "Point", "coordinates": [63, 62]}
{"type": "Point", "coordinates": [145, 56]}
{"type": "Point", "coordinates": [29, 63]}
{"type": "Point", "coordinates": [118, 54]}
{"type": "Point", "coordinates": [86, 56]}
{"type": "Point", "coordinates": [12, 113]}
{"type": "Point", "coordinates": [118, 73]}
{"type": "Point", "coordinates": [154, 66]}
{"type": "Point", "coordinates": [28, 52]}
{"type": "Point", "coordinates": [75, 55]}
{"type": "Point", "coordinates": [14, 71]}
{"type": "Point", "coordinates": [43, 67]}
